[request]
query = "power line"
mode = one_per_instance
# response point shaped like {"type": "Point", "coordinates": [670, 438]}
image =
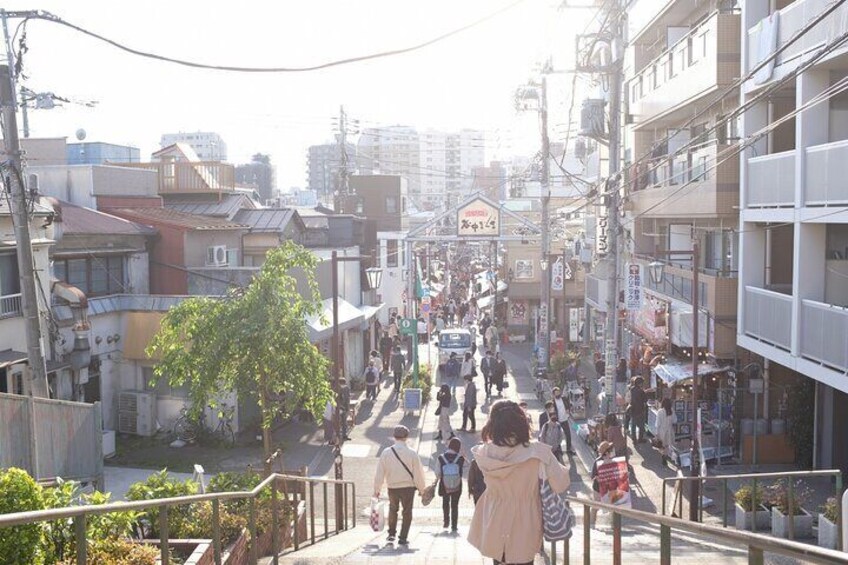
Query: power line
{"type": "Point", "coordinates": [47, 16]}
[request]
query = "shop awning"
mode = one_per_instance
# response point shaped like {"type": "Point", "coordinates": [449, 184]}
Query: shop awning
{"type": "Point", "coordinates": [436, 289]}
{"type": "Point", "coordinates": [674, 373]}
{"type": "Point", "coordinates": [349, 319]}
{"type": "Point", "coordinates": [141, 327]}
{"type": "Point", "coordinates": [369, 312]}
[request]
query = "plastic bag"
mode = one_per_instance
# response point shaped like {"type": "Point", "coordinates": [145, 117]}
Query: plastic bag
{"type": "Point", "coordinates": [378, 514]}
{"type": "Point", "coordinates": [428, 494]}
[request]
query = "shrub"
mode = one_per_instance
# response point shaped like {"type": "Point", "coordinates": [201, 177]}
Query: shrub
{"type": "Point", "coordinates": [162, 485]}
{"type": "Point", "coordinates": [19, 545]}
{"type": "Point", "coordinates": [831, 509]}
{"type": "Point", "coordinates": [744, 497]}
{"type": "Point", "coordinates": [200, 527]}
{"type": "Point", "coordinates": [778, 497]}
{"type": "Point", "coordinates": [122, 552]}
{"type": "Point", "coordinates": [425, 381]}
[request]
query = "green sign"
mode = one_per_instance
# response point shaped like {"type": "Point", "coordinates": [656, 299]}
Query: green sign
{"type": "Point", "coordinates": [408, 326]}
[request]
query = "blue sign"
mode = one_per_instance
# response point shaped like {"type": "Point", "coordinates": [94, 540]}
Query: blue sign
{"type": "Point", "coordinates": [411, 399]}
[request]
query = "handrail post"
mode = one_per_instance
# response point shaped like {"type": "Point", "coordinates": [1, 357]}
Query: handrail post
{"type": "Point", "coordinates": [163, 535]}
{"type": "Point", "coordinates": [553, 552]}
{"type": "Point", "coordinates": [81, 539]}
{"type": "Point", "coordinates": [791, 509]}
{"type": "Point", "coordinates": [724, 503]}
{"type": "Point", "coordinates": [754, 506]}
{"type": "Point", "coordinates": [312, 509]}
{"type": "Point", "coordinates": [353, 503]}
{"type": "Point", "coordinates": [665, 545]}
{"type": "Point", "coordinates": [616, 538]}
{"type": "Point", "coordinates": [254, 553]}
{"type": "Point", "coordinates": [566, 552]}
{"type": "Point", "coordinates": [663, 498]}
{"type": "Point", "coordinates": [344, 505]}
{"type": "Point", "coordinates": [326, 524]}
{"type": "Point", "coordinates": [275, 524]}
{"type": "Point", "coordinates": [216, 530]}
{"type": "Point", "coordinates": [587, 535]}
{"type": "Point", "coordinates": [755, 555]}
{"type": "Point", "coordinates": [840, 516]}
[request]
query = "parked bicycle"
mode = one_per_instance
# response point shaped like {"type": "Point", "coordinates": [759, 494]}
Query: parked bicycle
{"type": "Point", "coordinates": [190, 430]}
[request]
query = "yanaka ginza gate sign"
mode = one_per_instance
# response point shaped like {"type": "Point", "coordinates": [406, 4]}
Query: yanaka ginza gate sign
{"type": "Point", "coordinates": [478, 217]}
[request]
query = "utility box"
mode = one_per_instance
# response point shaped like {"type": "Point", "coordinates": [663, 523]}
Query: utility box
{"type": "Point", "coordinates": [592, 119]}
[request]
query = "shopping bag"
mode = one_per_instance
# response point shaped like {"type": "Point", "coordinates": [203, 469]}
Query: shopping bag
{"type": "Point", "coordinates": [428, 494]}
{"type": "Point", "coordinates": [557, 517]}
{"type": "Point", "coordinates": [378, 515]}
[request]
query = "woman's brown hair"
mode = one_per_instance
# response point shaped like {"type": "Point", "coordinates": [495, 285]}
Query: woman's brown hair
{"type": "Point", "coordinates": [507, 425]}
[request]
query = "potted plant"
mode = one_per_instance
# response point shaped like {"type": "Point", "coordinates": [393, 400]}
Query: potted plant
{"type": "Point", "coordinates": [828, 520]}
{"type": "Point", "coordinates": [749, 506]}
{"type": "Point", "coordinates": [778, 495]}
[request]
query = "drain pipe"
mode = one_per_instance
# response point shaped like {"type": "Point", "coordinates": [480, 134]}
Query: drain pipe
{"type": "Point", "coordinates": [80, 356]}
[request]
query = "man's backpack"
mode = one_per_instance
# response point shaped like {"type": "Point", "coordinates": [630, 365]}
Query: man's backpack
{"type": "Point", "coordinates": [451, 473]}
{"type": "Point", "coordinates": [371, 376]}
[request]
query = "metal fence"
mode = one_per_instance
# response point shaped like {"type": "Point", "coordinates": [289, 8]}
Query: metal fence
{"type": "Point", "coordinates": [51, 438]}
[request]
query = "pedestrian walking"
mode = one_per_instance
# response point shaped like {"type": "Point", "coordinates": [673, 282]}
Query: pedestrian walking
{"type": "Point", "coordinates": [476, 482]}
{"type": "Point", "coordinates": [484, 325]}
{"type": "Point", "coordinates": [371, 376]}
{"type": "Point", "coordinates": [400, 469]}
{"type": "Point", "coordinates": [562, 406]}
{"type": "Point", "coordinates": [551, 434]}
{"type": "Point", "coordinates": [666, 419]}
{"type": "Point", "coordinates": [444, 398]}
{"type": "Point", "coordinates": [469, 405]}
{"type": "Point", "coordinates": [468, 369]}
{"type": "Point", "coordinates": [386, 350]}
{"type": "Point", "coordinates": [492, 337]}
{"type": "Point", "coordinates": [615, 434]}
{"type": "Point", "coordinates": [507, 522]}
{"type": "Point", "coordinates": [329, 428]}
{"type": "Point", "coordinates": [605, 450]}
{"type": "Point", "coordinates": [344, 406]}
{"type": "Point", "coordinates": [453, 369]}
{"type": "Point", "coordinates": [487, 367]}
{"type": "Point", "coordinates": [449, 472]}
{"type": "Point", "coordinates": [451, 311]}
{"type": "Point", "coordinates": [398, 364]}
{"type": "Point", "coordinates": [394, 330]}
{"type": "Point", "coordinates": [499, 373]}
{"type": "Point", "coordinates": [638, 411]}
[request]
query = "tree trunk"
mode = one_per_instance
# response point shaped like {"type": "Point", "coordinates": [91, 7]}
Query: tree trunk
{"type": "Point", "coordinates": [266, 425]}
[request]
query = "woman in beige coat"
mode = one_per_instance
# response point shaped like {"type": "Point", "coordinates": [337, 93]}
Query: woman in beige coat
{"type": "Point", "coordinates": [507, 523]}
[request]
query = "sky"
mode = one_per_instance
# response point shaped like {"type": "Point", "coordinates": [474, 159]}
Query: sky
{"type": "Point", "coordinates": [466, 81]}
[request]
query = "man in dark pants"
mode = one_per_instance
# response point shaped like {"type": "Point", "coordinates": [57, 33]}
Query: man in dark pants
{"type": "Point", "coordinates": [386, 350]}
{"type": "Point", "coordinates": [469, 404]}
{"type": "Point", "coordinates": [638, 411]}
{"type": "Point", "coordinates": [398, 365]}
{"type": "Point", "coordinates": [487, 367]}
{"type": "Point", "coordinates": [401, 470]}
{"type": "Point", "coordinates": [563, 406]}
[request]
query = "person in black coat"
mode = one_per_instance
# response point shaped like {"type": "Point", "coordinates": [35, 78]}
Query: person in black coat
{"type": "Point", "coordinates": [499, 373]}
{"type": "Point", "coordinates": [638, 411]}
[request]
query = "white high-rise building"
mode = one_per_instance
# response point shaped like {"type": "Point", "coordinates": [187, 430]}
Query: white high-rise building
{"type": "Point", "coordinates": [207, 144]}
{"type": "Point", "coordinates": [437, 165]}
{"type": "Point", "coordinates": [793, 227]}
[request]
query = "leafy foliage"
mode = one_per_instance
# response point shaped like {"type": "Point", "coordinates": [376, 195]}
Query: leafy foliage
{"type": "Point", "coordinates": [255, 341]}
{"type": "Point", "coordinates": [801, 399]}
{"type": "Point", "coordinates": [745, 497]}
{"type": "Point", "coordinates": [831, 509]}
{"type": "Point", "coordinates": [19, 545]}
{"type": "Point", "coordinates": [162, 485]}
{"type": "Point", "coordinates": [425, 381]}
{"type": "Point", "coordinates": [121, 552]}
{"type": "Point", "coordinates": [777, 496]}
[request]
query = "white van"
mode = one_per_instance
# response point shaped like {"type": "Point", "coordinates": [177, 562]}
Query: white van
{"type": "Point", "coordinates": [454, 340]}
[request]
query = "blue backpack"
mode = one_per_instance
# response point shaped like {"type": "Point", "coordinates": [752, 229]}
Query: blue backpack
{"type": "Point", "coordinates": [451, 474]}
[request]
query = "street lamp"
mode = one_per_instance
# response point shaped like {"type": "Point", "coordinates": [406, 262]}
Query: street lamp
{"type": "Point", "coordinates": [544, 263]}
{"type": "Point", "coordinates": [656, 269]}
{"type": "Point", "coordinates": [375, 276]}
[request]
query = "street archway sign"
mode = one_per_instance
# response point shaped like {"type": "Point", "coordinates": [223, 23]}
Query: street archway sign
{"type": "Point", "coordinates": [478, 217]}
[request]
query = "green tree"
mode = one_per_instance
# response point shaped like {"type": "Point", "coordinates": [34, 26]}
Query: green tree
{"type": "Point", "coordinates": [254, 341]}
{"type": "Point", "coordinates": [19, 545]}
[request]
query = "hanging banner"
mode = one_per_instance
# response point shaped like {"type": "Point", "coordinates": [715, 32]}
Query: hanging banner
{"type": "Point", "coordinates": [601, 232]}
{"type": "Point", "coordinates": [575, 316]}
{"type": "Point", "coordinates": [633, 290]}
{"type": "Point", "coordinates": [478, 217]}
{"type": "Point", "coordinates": [557, 275]}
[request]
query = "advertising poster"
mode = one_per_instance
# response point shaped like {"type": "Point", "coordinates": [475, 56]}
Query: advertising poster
{"type": "Point", "coordinates": [614, 482]}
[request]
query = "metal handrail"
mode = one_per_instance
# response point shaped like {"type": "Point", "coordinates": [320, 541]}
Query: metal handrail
{"type": "Point", "coordinates": [80, 513]}
{"type": "Point", "coordinates": [755, 478]}
{"type": "Point", "coordinates": [756, 544]}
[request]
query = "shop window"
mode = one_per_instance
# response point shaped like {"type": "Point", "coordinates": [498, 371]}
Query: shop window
{"type": "Point", "coordinates": [391, 253]}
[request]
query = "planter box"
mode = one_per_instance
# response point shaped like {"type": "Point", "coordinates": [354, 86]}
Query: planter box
{"type": "Point", "coordinates": [188, 551]}
{"type": "Point", "coordinates": [743, 519]}
{"type": "Point", "coordinates": [239, 552]}
{"type": "Point", "coordinates": [780, 524]}
{"type": "Point", "coordinates": [828, 533]}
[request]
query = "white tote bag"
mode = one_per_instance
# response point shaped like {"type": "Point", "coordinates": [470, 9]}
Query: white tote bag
{"type": "Point", "coordinates": [377, 514]}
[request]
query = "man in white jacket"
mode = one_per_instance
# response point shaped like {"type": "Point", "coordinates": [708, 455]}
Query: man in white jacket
{"type": "Point", "coordinates": [401, 469]}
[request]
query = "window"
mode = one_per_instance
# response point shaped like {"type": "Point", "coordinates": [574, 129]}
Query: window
{"type": "Point", "coordinates": [391, 253]}
{"type": "Point", "coordinates": [95, 276]}
{"type": "Point", "coordinates": [10, 282]}
{"type": "Point", "coordinates": [162, 386]}
{"type": "Point", "coordinates": [391, 205]}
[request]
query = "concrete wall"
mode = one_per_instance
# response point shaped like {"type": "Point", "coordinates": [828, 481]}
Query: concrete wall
{"type": "Point", "coordinates": [198, 241]}
{"type": "Point", "coordinates": [81, 184]}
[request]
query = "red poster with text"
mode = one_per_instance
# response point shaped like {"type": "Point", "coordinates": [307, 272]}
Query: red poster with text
{"type": "Point", "coordinates": [614, 482]}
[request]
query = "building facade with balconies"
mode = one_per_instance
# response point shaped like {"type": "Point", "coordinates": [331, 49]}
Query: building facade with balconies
{"type": "Point", "coordinates": [682, 182]}
{"type": "Point", "coordinates": [793, 292]}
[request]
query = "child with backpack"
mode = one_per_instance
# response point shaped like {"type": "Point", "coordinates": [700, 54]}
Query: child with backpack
{"type": "Point", "coordinates": [449, 473]}
{"type": "Point", "coordinates": [372, 380]}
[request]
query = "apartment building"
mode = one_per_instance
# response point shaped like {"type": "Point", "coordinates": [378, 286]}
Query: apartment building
{"type": "Point", "coordinates": [682, 56]}
{"type": "Point", "coordinates": [793, 292]}
{"type": "Point", "coordinates": [323, 162]}
{"type": "Point", "coordinates": [208, 145]}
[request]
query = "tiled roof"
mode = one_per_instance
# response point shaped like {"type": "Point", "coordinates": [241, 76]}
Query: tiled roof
{"type": "Point", "coordinates": [79, 220]}
{"type": "Point", "coordinates": [228, 207]}
{"type": "Point", "coordinates": [177, 219]}
{"type": "Point", "coordinates": [272, 219]}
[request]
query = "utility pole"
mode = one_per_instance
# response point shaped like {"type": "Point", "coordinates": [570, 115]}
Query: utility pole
{"type": "Point", "coordinates": [18, 203]}
{"type": "Point", "coordinates": [341, 196]}
{"type": "Point", "coordinates": [694, 458]}
{"type": "Point", "coordinates": [545, 305]}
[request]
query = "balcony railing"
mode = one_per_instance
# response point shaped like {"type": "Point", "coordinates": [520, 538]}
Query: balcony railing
{"type": "Point", "coordinates": [186, 177]}
{"type": "Point", "coordinates": [824, 328]}
{"type": "Point", "coordinates": [771, 180]}
{"type": "Point", "coordinates": [827, 169]}
{"type": "Point", "coordinates": [768, 316]}
{"type": "Point", "coordinates": [10, 305]}
{"type": "Point", "coordinates": [596, 292]}
{"type": "Point", "coordinates": [674, 170]}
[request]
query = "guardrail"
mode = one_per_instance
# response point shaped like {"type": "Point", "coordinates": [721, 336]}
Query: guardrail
{"type": "Point", "coordinates": [79, 515]}
{"type": "Point", "coordinates": [755, 478]}
{"type": "Point", "coordinates": [756, 544]}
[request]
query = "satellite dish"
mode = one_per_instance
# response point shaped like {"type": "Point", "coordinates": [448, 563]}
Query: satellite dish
{"type": "Point", "coordinates": [80, 134]}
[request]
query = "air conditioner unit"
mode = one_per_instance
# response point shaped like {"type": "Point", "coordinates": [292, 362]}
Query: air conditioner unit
{"type": "Point", "coordinates": [216, 256]}
{"type": "Point", "coordinates": [137, 413]}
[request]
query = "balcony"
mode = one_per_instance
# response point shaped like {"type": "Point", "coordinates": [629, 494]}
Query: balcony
{"type": "Point", "coordinates": [771, 181]}
{"type": "Point", "coordinates": [702, 61]}
{"type": "Point", "coordinates": [827, 169]}
{"type": "Point", "coordinates": [768, 316]}
{"type": "Point", "coordinates": [792, 19]}
{"type": "Point", "coordinates": [10, 306]}
{"type": "Point", "coordinates": [713, 190]}
{"type": "Point", "coordinates": [191, 177]}
{"type": "Point", "coordinates": [823, 331]}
